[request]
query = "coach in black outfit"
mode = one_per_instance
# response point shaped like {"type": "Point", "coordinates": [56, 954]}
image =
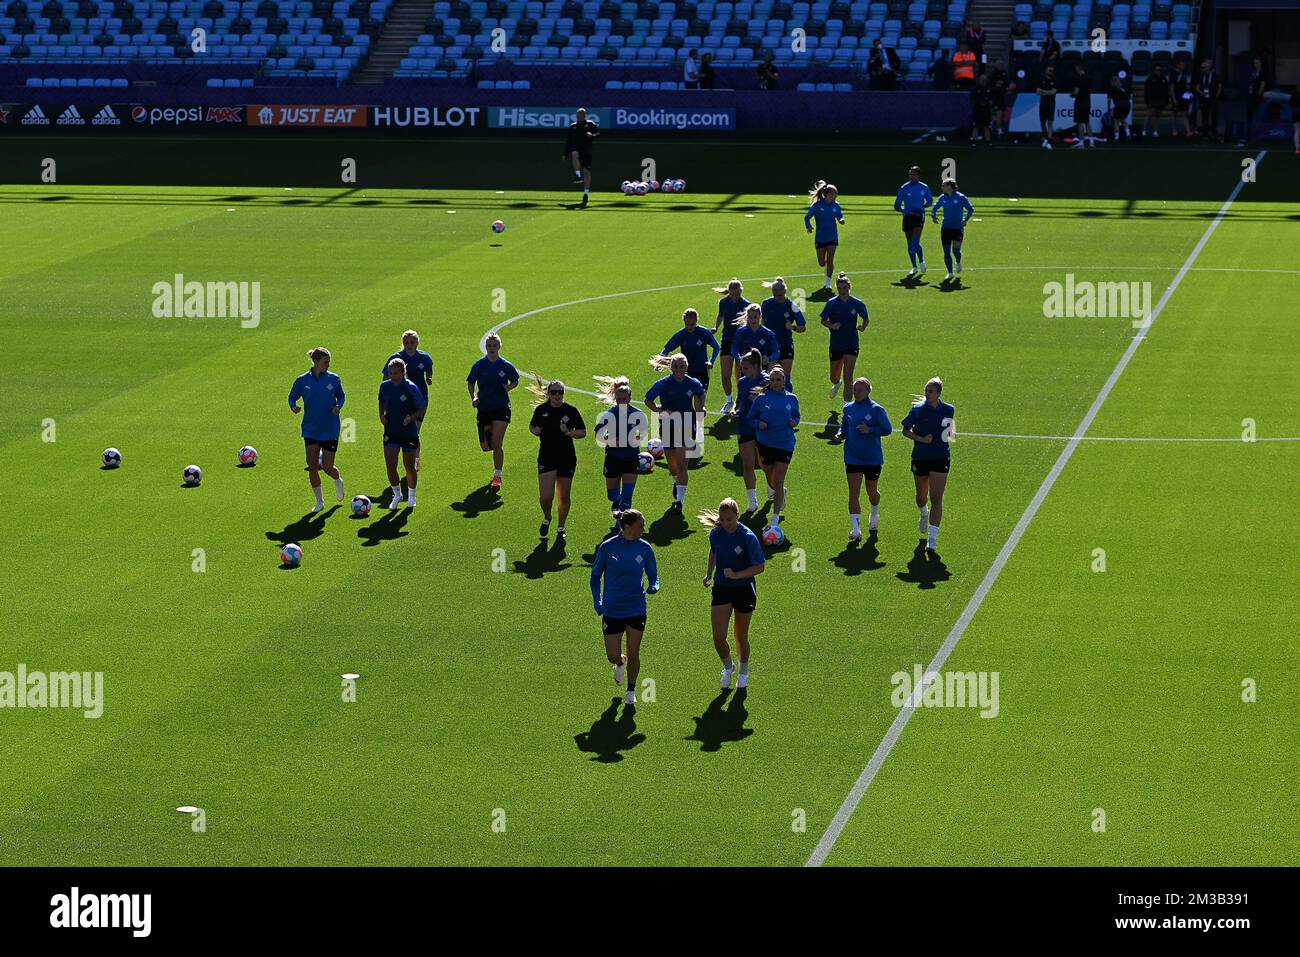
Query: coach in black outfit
{"type": "Point", "coordinates": [577, 148]}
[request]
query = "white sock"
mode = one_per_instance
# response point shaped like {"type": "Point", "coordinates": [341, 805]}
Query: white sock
{"type": "Point", "coordinates": [744, 667]}
{"type": "Point", "coordinates": [496, 473]}
{"type": "Point", "coordinates": [857, 522]}
{"type": "Point", "coordinates": [726, 662]}
{"type": "Point", "coordinates": [753, 498]}
{"type": "Point", "coordinates": [560, 530]}
{"type": "Point", "coordinates": [925, 511]}
{"type": "Point", "coordinates": [320, 497]}
{"type": "Point", "coordinates": [681, 493]}
{"type": "Point", "coordinates": [875, 511]}
{"type": "Point", "coordinates": [934, 536]}
{"type": "Point", "coordinates": [397, 491]}
{"type": "Point", "coordinates": [410, 496]}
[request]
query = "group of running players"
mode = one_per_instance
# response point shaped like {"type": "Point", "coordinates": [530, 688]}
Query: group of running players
{"type": "Point", "coordinates": [757, 350]}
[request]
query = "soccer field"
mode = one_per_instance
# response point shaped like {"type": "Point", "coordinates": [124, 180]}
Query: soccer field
{"type": "Point", "coordinates": [1142, 629]}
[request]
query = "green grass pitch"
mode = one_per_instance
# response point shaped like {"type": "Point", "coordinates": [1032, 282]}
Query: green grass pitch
{"type": "Point", "coordinates": [484, 691]}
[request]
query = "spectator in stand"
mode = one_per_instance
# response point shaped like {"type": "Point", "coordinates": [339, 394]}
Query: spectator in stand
{"type": "Point", "coordinates": [708, 76]}
{"type": "Point", "coordinates": [883, 66]}
{"type": "Point", "coordinates": [1209, 88]}
{"type": "Point", "coordinates": [767, 72]}
{"type": "Point", "coordinates": [1049, 51]}
{"type": "Point", "coordinates": [1184, 101]}
{"type": "Point", "coordinates": [963, 67]}
{"type": "Point", "coordinates": [1019, 32]}
{"type": "Point", "coordinates": [981, 99]}
{"type": "Point", "coordinates": [1259, 82]}
{"type": "Point", "coordinates": [1156, 94]}
{"type": "Point", "coordinates": [975, 38]}
{"type": "Point", "coordinates": [1120, 104]}
{"type": "Point", "coordinates": [691, 73]}
{"type": "Point", "coordinates": [941, 72]}
{"type": "Point", "coordinates": [998, 86]}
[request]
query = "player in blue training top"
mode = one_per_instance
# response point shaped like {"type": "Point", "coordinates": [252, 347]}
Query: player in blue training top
{"type": "Point", "coordinates": [862, 424]}
{"type": "Point", "coordinates": [774, 416]}
{"type": "Point", "coordinates": [735, 558]}
{"type": "Point", "coordinates": [321, 392]}
{"type": "Point", "coordinates": [754, 335]}
{"type": "Point", "coordinates": [419, 367]}
{"type": "Point", "coordinates": [913, 199]}
{"type": "Point", "coordinates": [730, 308]}
{"type": "Point", "coordinates": [621, 562]}
{"type": "Point", "coordinates": [957, 212]}
{"type": "Point", "coordinates": [494, 377]}
{"type": "Point", "coordinates": [752, 380]}
{"type": "Point", "coordinates": [694, 342]}
{"type": "Point", "coordinates": [620, 430]}
{"type": "Point", "coordinates": [678, 400]}
{"type": "Point", "coordinates": [929, 424]}
{"type": "Point", "coordinates": [841, 316]}
{"type": "Point", "coordinates": [401, 410]}
{"type": "Point", "coordinates": [828, 216]}
{"type": "Point", "coordinates": [783, 317]}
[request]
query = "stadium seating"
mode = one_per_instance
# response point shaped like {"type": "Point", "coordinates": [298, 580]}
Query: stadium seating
{"type": "Point", "coordinates": [1155, 20]}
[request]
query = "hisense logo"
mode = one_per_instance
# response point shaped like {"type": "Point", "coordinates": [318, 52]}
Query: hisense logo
{"type": "Point", "coordinates": [180, 299]}
{"type": "Point", "coordinates": [53, 689]}
{"type": "Point", "coordinates": [74, 909]}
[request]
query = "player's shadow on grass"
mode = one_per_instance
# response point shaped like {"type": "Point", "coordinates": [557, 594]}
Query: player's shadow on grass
{"type": "Point", "coordinates": [669, 527]}
{"type": "Point", "coordinates": [543, 559]}
{"type": "Point", "coordinates": [610, 736]}
{"type": "Point", "coordinates": [390, 526]}
{"type": "Point", "coordinates": [717, 725]}
{"type": "Point", "coordinates": [954, 286]}
{"type": "Point", "coordinates": [860, 556]}
{"type": "Point", "coordinates": [723, 428]}
{"type": "Point", "coordinates": [822, 295]}
{"type": "Point", "coordinates": [831, 432]}
{"type": "Point", "coordinates": [305, 529]}
{"type": "Point", "coordinates": [736, 466]}
{"type": "Point", "coordinates": [482, 499]}
{"type": "Point", "coordinates": [910, 282]}
{"type": "Point", "coordinates": [925, 568]}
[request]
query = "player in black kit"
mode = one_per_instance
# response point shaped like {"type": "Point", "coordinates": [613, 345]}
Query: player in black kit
{"type": "Point", "coordinates": [577, 150]}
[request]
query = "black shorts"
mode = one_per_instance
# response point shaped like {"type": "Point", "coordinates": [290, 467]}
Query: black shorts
{"type": "Point", "coordinates": [584, 159]}
{"type": "Point", "coordinates": [742, 598]}
{"type": "Point", "coordinates": [1121, 111]}
{"type": "Point", "coordinates": [562, 469]}
{"type": "Point", "coordinates": [487, 416]}
{"type": "Point", "coordinates": [838, 354]}
{"type": "Point", "coordinates": [913, 221]}
{"type": "Point", "coordinates": [951, 235]}
{"type": "Point", "coordinates": [983, 118]}
{"type": "Point", "coordinates": [829, 244]}
{"type": "Point", "coordinates": [402, 442]}
{"type": "Point", "coordinates": [327, 445]}
{"type": "Point", "coordinates": [614, 626]}
{"type": "Point", "coordinates": [678, 430]}
{"type": "Point", "coordinates": [771, 456]}
{"type": "Point", "coordinates": [926, 466]}
{"type": "Point", "coordinates": [742, 438]}
{"type": "Point", "coordinates": [787, 352]}
{"type": "Point", "coordinates": [728, 333]}
{"type": "Point", "coordinates": [616, 467]}
{"type": "Point", "coordinates": [1047, 110]}
{"type": "Point", "coordinates": [702, 375]}
{"type": "Point", "coordinates": [870, 472]}
{"type": "Point", "coordinates": [1081, 110]}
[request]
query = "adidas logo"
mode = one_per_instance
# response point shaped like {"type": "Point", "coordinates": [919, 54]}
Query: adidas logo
{"type": "Point", "coordinates": [36, 117]}
{"type": "Point", "coordinates": [106, 117]}
{"type": "Point", "coordinates": [70, 117]}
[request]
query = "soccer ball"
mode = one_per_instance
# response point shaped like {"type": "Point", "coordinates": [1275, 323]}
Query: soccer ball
{"type": "Point", "coordinates": [773, 537]}
{"type": "Point", "coordinates": [498, 226]}
{"type": "Point", "coordinates": [291, 555]}
{"type": "Point", "coordinates": [628, 187]}
{"type": "Point", "coordinates": [654, 185]}
{"type": "Point", "coordinates": [112, 458]}
{"type": "Point", "coordinates": [679, 186]}
{"type": "Point", "coordinates": [666, 186]}
{"type": "Point", "coordinates": [642, 188]}
{"type": "Point", "coordinates": [192, 475]}
{"type": "Point", "coordinates": [655, 448]}
{"type": "Point", "coordinates": [360, 506]}
{"type": "Point", "coordinates": [248, 455]}
{"type": "Point", "coordinates": [645, 463]}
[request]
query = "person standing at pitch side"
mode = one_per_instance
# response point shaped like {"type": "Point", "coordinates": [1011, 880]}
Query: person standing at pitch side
{"type": "Point", "coordinates": [577, 149]}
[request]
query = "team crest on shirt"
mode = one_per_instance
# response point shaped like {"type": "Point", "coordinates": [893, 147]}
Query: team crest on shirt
{"type": "Point", "coordinates": [639, 560]}
{"type": "Point", "coordinates": [739, 549]}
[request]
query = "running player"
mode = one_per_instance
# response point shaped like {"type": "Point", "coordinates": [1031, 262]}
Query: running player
{"type": "Point", "coordinates": [913, 199]}
{"type": "Point", "coordinates": [861, 426]}
{"type": "Point", "coordinates": [321, 392]}
{"type": "Point", "coordinates": [621, 561]}
{"type": "Point", "coordinates": [774, 415]}
{"type": "Point", "coordinates": [620, 430]}
{"type": "Point", "coordinates": [957, 212]}
{"type": "Point", "coordinates": [577, 150]}
{"type": "Point", "coordinates": [730, 307]}
{"type": "Point", "coordinates": [683, 403]}
{"type": "Point", "coordinates": [557, 424]}
{"type": "Point", "coordinates": [754, 335]}
{"type": "Point", "coordinates": [694, 342]}
{"type": "Point", "coordinates": [494, 377]}
{"type": "Point", "coordinates": [828, 216]}
{"type": "Point", "coordinates": [752, 381]}
{"type": "Point", "coordinates": [735, 558]}
{"type": "Point", "coordinates": [929, 424]}
{"type": "Point", "coordinates": [840, 315]}
{"type": "Point", "coordinates": [401, 410]}
{"type": "Point", "coordinates": [783, 317]}
{"type": "Point", "coordinates": [419, 367]}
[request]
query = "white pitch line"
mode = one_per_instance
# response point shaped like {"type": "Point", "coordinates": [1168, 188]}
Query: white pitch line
{"type": "Point", "coordinates": [851, 801]}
